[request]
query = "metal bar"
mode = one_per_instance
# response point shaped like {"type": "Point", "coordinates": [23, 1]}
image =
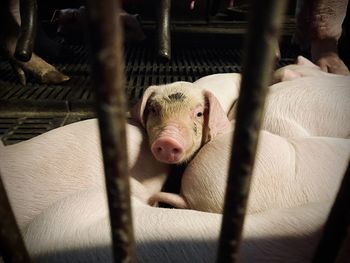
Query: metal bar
{"type": "Point", "coordinates": [264, 28]}
{"type": "Point", "coordinates": [106, 42]}
{"type": "Point", "coordinates": [164, 42]}
{"type": "Point", "coordinates": [337, 226]}
{"type": "Point", "coordinates": [214, 6]}
{"type": "Point", "coordinates": [12, 247]}
{"type": "Point", "coordinates": [344, 253]}
{"type": "Point", "coordinates": [25, 42]}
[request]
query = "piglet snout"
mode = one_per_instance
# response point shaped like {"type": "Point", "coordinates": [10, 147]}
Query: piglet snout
{"type": "Point", "coordinates": [167, 150]}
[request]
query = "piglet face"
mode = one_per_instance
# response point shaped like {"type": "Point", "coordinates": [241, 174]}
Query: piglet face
{"type": "Point", "coordinates": [174, 121]}
{"type": "Point", "coordinates": [178, 121]}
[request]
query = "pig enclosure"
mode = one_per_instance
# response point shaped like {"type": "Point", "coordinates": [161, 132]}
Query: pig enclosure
{"type": "Point", "coordinates": [196, 51]}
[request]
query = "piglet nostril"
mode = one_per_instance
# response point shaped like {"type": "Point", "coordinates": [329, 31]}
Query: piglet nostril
{"type": "Point", "coordinates": [176, 151]}
{"type": "Point", "coordinates": [167, 150]}
{"type": "Point", "coordinates": [159, 149]}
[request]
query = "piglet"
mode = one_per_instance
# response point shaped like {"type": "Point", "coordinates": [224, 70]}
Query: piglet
{"type": "Point", "coordinates": [287, 173]}
{"type": "Point", "coordinates": [77, 229]}
{"type": "Point", "coordinates": [179, 118]}
{"type": "Point", "coordinates": [309, 102]}
{"type": "Point", "coordinates": [302, 68]}
{"type": "Point", "coordinates": [40, 171]}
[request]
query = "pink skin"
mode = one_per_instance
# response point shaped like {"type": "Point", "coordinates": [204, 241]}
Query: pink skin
{"type": "Point", "coordinates": [287, 173]}
{"type": "Point", "coordinates": [302, 68]}
{"type": "Point", "coordinates": [170, 146]}
{"type": "Point", "coordinates": [173, 142]}
{"type": "Point", "coordinates": [192, 4]}
{"type": "Point", "coordinates": [40, 171]}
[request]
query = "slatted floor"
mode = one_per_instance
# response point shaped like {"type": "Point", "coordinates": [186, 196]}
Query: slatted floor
{"type": "Point", "coordinates": [27, 111]}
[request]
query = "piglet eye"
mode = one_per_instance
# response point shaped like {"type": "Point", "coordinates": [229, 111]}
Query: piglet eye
{"type": "Point", "coordinates": [199, 114]}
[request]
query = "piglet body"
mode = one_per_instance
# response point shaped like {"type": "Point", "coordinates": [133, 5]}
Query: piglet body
{"type": "Point", "coordinates": [77, 229]}
{"type": "Point", "coordinates": [38, 172]}
{"type": "Point", "coordinates": [287, 173]}
{"type": "Point", "coordinates": [309, 106]}
{"type": "Point", "coordinates": [306, 101]}
{"type": "Point", "coordinates": [225, 87]}
{"type": "Point", "coordinates": [302, 68]}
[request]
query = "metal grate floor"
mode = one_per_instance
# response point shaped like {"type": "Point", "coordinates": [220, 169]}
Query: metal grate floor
{"type": "Point", "coordinates": [142, 69]}
{"type": "Point", "coordinates": [27, 111]}
{"type": "Point", "coordinates": [22, 128]}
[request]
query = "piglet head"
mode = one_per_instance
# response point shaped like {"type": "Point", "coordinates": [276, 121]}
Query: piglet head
{"type": "Point", "coordinates": [179, 118]}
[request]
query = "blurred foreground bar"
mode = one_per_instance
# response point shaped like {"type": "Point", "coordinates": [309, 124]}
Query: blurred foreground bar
{"type": "Point", "coordinates": [12, 248]}
{"type": "Point", "coordinates": [263, 32]}
{"type": "Point", "coordinates": [334, 245]}
{"type": "Point", "coordinates": [106, 39]}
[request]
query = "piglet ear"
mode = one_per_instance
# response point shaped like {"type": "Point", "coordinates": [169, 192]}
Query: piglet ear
{"type": "Point", "coordinates": [138, 111]}
{"type": "Point", "coordinates": [215, 119]}
{"type": "Point", "coordinates": [302, 61]}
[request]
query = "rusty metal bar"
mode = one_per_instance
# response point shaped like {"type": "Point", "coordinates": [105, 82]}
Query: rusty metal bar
{"type": "Point", "coordinates": [337, 226]}
{"type": "Point", "coordinates": [164, 42]}
{"type": "Point", "coordinates": [106, 42]}
{"type": "Point", "coordinates": [264, 28]}
{"type": "Point", "coordinates": [12, 247]}
{"type": "Point", "coordinates": [25, 42]}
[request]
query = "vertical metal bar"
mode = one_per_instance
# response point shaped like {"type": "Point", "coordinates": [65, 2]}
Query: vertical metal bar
{"type": "Point", "coordinates": [106, 41]}
{"type": "Point", "coordinates": [337, 226]}
{"type": "Point", "coordinates": [264, 27]}
{"type": "Point", "coordinates": [164, 42]}
{"type": "Point", "coordinates": [214, 6]}
{"type": "Point", "coordinates": [25, 42]}
{"type": "Point", "coordinates": [12, 247]}
{"type": "Point", "coordinates": [344, 253]}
